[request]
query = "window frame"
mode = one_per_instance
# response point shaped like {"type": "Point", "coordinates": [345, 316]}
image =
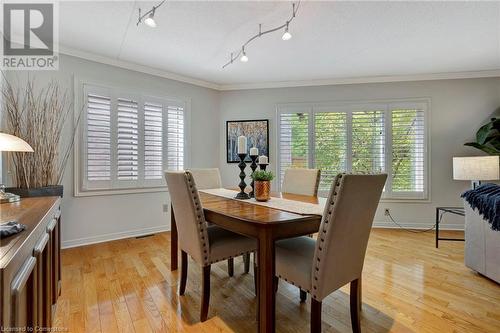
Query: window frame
{"type": "Point", "coordinates": [421, 103]}
{"type": "Point", "coordinates": [111, 187]}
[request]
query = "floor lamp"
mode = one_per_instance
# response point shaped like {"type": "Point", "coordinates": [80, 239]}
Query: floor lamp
{"type": "Point", "coordinates": [11, 143]}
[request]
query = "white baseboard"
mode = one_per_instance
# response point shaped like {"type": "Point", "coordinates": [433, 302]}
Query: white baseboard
{"type": "Point", "coordinates": [146, 231]}
{"type": "Point", "coordinates": [420, 226]}
{"type": "Point", "coordinates": [113, 236]}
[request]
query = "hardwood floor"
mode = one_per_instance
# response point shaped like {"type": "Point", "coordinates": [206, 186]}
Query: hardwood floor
{"type": "Point", "coordinates": [408, 286]}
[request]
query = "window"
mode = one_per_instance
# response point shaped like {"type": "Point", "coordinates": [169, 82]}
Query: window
{"type": "Point", "coordinates": [129, 140]}
{"type": "Point", "coordinates": [374, 137]}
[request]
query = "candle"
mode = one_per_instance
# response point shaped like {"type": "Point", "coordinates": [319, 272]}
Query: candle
{"type": "Point", "coordinates": [242, 145]}
{"type": "Point", "coordinates": [263, 160]}
{"type": "Point", "coordinates": [254, 151]}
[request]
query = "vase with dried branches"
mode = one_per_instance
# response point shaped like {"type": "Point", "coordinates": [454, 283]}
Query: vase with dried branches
{"type": "Point", "coordinates": [39, 116]}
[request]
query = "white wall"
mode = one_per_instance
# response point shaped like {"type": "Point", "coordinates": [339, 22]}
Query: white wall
{"type": "Point", "coordinates": [458, 108]}
{"type": "Point", "coordinates": [92, 219]}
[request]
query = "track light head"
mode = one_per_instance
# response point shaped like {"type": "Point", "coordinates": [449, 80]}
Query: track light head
{"type": "Point", "coordinates": [287, 35]}
{"type": "Point", "coordinates": [150, 20]}
{"type": "Point", "coordinates": [243, 57]}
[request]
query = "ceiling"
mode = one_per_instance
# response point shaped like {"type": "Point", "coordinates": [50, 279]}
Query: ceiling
{"type": "Point", "coordinates": [331, 40]}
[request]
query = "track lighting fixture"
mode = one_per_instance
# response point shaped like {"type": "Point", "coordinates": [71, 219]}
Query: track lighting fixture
{"type": "Point", "coordinates": [286, 36]}
{"type": "Point", "coordinates": [150, 20]}
{"type": "Point", "coordinates": [149, 16]}
{"type": "Point", "coordinates": [244, 57]}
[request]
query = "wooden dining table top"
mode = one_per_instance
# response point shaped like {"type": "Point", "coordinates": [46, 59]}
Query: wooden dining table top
{"type": "Point", "coordinates": [251, 212]}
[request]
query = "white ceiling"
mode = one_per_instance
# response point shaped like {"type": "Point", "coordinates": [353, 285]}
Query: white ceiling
{"type": "Point", "coordinates": [331, 40]}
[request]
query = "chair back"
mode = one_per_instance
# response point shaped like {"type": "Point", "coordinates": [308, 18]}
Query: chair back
{"type": "Point", "coordinates": [189, 217]}
{"type": "Point", "coordinates": [206, 178]}
{"type": "Point", "coordinates": [344, 231]}
{"type": "Point", "coordinates": [301, 181]}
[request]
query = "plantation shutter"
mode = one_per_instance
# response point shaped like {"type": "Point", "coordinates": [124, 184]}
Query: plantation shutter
{"type": "Point", "coordinates": [98, 138]}
{"type": "Point", "coordinates": [330, 146]}
{"type": "Point", "coordinates": [153, 141]}
{"type": "Point", "coordinates": [293, 140]}
{"type": "Point", "coordinates": [377, 137]}
{"type": "Point", "coordinates": [129, 140]}
{"type": "Point", "coordinates": [175, 137]}
{"type": "Point", "coordinates": [368, 141]}
{"type": "Point", "coordinates": [408, 150]}
{"type": "Point", "coordinates": [127, 155]}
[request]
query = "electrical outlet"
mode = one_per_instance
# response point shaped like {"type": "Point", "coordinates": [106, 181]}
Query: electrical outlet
{"type": "Point", "coordinates": [165, 208]}
{"type": "Point", "coordinates": [386, 212]}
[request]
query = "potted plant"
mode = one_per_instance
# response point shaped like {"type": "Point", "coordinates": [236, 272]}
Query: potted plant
{"type": "Point", "coordinates": [262, 184]}
{"type": "Point", "coordinates": [488, 138]}
{"type": "Point", "coordinates": [39, 116]}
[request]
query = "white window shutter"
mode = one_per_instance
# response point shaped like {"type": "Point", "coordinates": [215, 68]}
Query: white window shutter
{"type": "Point", "coordinates": [408, 150]}
{"type": "Point", "coordinates": [98, 138]}
{"type": "Point", "coordinates": [368, 141]}
{"type": "Point", "coordinates": [153, 141]}
{"type": "Point", "coordinates": [175, 137]}
{"type": "Point", "coordinates": [127, 150]}
{"type": "Point", "coordinates": [330, 148]}
{"type": "Point", "coordinates": [293, 141]}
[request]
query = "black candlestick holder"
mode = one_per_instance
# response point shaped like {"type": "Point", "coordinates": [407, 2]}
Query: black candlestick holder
{"type": "Point", "coordinates": [253, 166]}
{"type": "Point", "coordinates": [263, 166]}
{"type": "Point", "coordinates": [242, 165]}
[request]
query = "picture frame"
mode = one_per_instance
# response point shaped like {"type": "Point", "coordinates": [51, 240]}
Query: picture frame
{"type": "Point", "coordinates": [257, 133]}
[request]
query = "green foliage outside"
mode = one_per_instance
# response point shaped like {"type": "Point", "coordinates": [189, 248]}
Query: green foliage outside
{"type": "Point", "coordinates": [368, 145]}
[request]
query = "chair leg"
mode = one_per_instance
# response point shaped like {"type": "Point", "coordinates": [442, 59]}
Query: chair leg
{"type": "Point", "coordinates": [246, 261]}
{"type": "Point", "coordinates": [184, 270]}
{"type": "Point", "coordinates": [315, 316]}
{"type": "Point", "coordinates": [303, 296]}
{"type": "Point", "coordinates": [205, 294]}
{"type": "Point", "coordinates": [355, 305]}
{"type": "Point", "coordinates": [230, 267]}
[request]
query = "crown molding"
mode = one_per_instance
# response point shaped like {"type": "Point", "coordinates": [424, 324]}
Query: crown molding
{"type": "Point", "coordinates": [360, 80]}
{"type": "Point", "coordinates": [136, 67]}
{"type": "Point", "coordinates": [278, 84]}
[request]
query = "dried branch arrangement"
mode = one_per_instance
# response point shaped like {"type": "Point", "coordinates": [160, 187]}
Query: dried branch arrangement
{"type": "Point", "coordinates": [39, 116]}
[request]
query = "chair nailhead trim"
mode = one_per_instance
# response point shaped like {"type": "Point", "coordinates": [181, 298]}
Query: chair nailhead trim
{"type": "Point", "coordinates": [324, 230]}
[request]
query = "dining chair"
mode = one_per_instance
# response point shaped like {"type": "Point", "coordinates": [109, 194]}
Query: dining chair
{"type": "Point", "coordinates": [301, 181]}
{"type": "Point", "coordinates": [319, 267]}
{"type": "Point", "coordinates": [206, 178]}
{"type": "Point", "coordinates": [209, 178]}
{"type": "Point", "coordinates": [205, 244]}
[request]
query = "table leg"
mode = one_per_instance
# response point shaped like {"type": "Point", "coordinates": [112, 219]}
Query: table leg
{"type": "Point", "coordinates": [266, 297]}
{"type": "Point", "coordinates": [173, 241]}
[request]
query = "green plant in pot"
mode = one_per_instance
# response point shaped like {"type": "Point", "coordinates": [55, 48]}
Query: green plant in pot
{"type": "Point", "coordinates": [488, 138]}
{"type": "Point", "coordinates": [39, 116]}
{"type": "Point", "coordinates": [262, 184]}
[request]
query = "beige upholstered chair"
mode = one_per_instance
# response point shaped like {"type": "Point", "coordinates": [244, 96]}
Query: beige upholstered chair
{"type": "Point", "coordinates": [208, 178]}
{"type": "Point", "coordinates": [301, 181]}
{"type": "Point", "coordinates": [336, 258]}
{"type": "Point", "coordinates": [206, 245]}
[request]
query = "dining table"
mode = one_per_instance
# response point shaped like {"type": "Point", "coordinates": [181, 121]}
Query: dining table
{"type": "Point", "coordinates": [266, 225]}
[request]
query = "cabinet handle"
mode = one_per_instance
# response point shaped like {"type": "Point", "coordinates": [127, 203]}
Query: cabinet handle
{"type": "Point", "coordinates": [40, 245]}
{"type": "Point", "coordinates": [51, 225]}
{"type": "Point", "coordinates": [18, 284]}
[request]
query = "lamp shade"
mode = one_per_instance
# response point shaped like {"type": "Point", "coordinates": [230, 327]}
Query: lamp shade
{"type": "Point", "coordinates": [13, 143]}
{"type": "Point", "coordinates": [476, 168]}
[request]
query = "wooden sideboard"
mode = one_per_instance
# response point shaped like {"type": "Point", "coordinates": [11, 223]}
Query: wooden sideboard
{"type": "Point", "coordinates": [30, 264]}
